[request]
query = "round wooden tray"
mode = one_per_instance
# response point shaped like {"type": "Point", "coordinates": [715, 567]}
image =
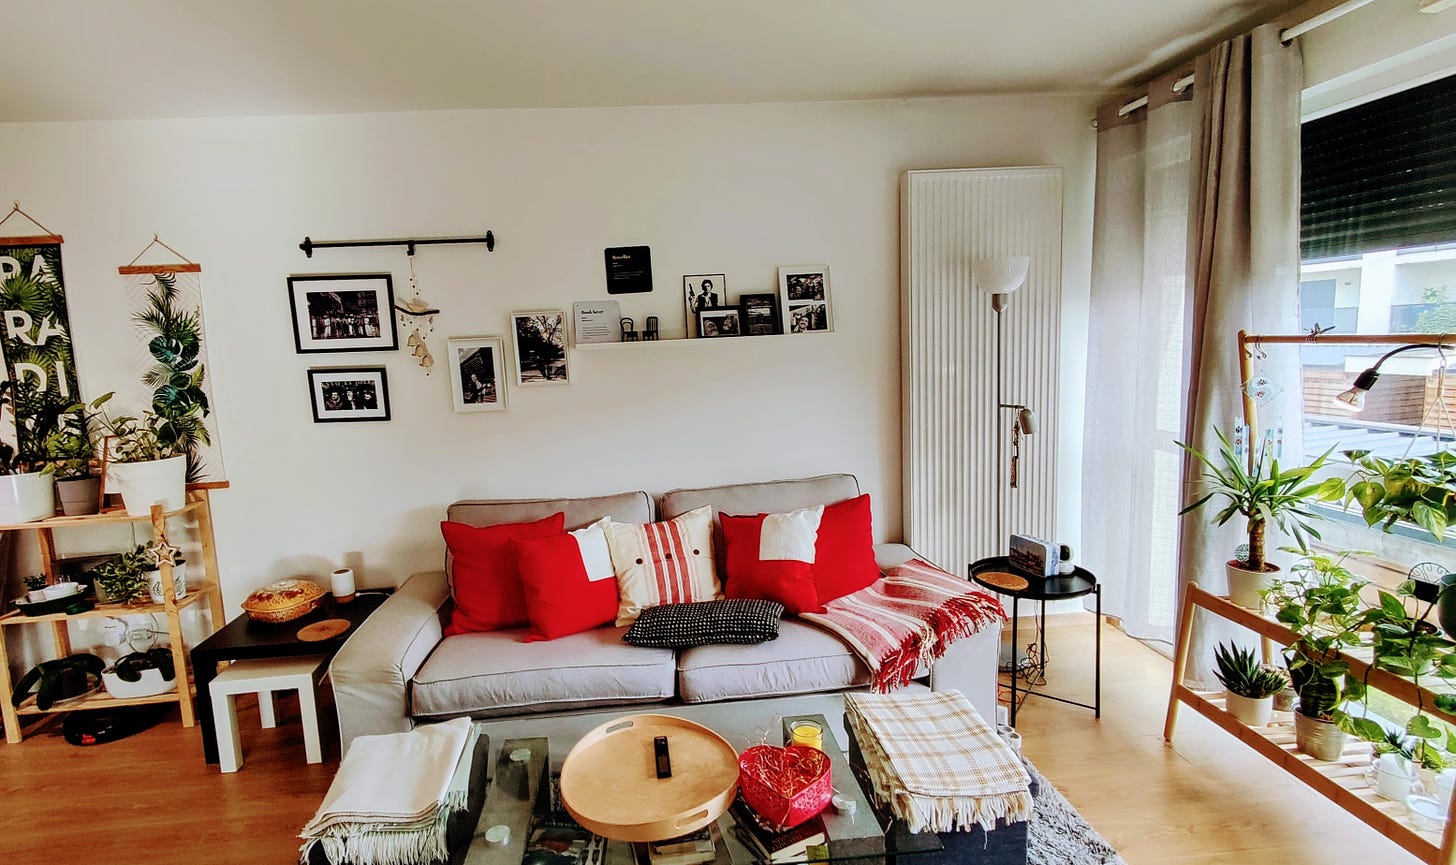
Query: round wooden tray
{"type": "Point", "coordinates": [1003, 580]}
{"type": "Point", "coordinates": [609, 780]}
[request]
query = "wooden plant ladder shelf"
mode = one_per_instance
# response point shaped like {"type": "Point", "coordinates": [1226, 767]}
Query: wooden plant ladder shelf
{"type": "Point", "coordinates": [1342, 782]}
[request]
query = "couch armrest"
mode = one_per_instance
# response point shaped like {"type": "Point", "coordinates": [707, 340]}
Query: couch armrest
{"type": "Point", "coordinates": [371, 673]}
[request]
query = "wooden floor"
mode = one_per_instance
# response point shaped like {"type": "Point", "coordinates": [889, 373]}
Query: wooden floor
{"type": "Point", "coordinates": [1205, 799]}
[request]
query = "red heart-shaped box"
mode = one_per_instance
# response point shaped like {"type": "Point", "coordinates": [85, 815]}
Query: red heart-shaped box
{"type": "Point", "coordinates": [785, 786]}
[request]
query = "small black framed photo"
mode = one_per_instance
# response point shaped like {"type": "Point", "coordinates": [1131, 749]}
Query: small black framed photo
{"type": "Point", "coordinates": [805, 293]}
{"type": "Point", "coordinates": [703, 291]}
{"type": "Point", "coordinates": [760, 314]}
{"type": "Point", "coordinates": [719, 321]}
{"type": "Point", "coordinates": [343, 312]}
{"type": "Point", "coordinates": [343, 394]}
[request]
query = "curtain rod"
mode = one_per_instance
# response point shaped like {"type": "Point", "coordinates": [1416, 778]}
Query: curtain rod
{"type": "Point", "coordinates": [1287, 35]}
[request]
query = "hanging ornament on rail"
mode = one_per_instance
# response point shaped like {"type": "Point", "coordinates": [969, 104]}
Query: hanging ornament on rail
{"type": "Point", "coordinates": [417, 317]}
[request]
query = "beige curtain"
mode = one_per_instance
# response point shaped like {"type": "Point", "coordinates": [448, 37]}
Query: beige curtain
{"type": "Point", "coordinates": [1135, 385]}
{"type": "Point", "coordinates": [1243, 254]}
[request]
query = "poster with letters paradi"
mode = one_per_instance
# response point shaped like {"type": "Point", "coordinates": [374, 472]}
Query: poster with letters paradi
{"type": "Point", "coordinates": [40, 365]}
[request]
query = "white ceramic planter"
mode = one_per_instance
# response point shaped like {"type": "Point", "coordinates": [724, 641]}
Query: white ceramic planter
{"type": "Point", "coordinates": [26, 497]}
{"type": "Point", "coordinates": [179, 583]}
{"type": "Point", "coordinates": [1253, 712]}
{"type": "Point", "coordinates": [1245, 586]}
{"type": "Point", "coordinates": [144, 484]}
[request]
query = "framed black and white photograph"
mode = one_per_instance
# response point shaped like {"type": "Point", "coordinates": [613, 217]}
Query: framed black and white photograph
{"type": "Point", "coordinates": [804, 290]}
{"type": "Point", "coordinates": [719, 321]}
{"type": "Point", "coordinates": [343, 312]}
{"type": "Point", "coordinates": [760, 314]}
{"type": "Point", "coordinates": [540, 339]}
{"type": "Point", "coordinates": [703, 291]}
{"type": "Point", "coordinates": [342, 394]}
{"type": "Point", "coordinates": [477, 373]}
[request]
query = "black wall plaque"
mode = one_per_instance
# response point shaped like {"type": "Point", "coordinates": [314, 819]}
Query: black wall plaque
{"type": "Point", "coordinates": [629, 269]}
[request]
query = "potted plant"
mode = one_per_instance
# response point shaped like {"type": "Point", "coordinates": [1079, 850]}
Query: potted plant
{"type": "Point", "coordinates": [1263, 494]}
{"type": "Point", "coordinates": [78, 490]}
{"type": "Point", "coordinates": [24, 495]}
{"type": "Point", "coordinates": [1320, 602]}
{"type": "Point", "coordinates": [1250, 686]}
{"type": "Point", "coordinates": [146, 461]}
{"type": "Point", "coordinates": [121, 580]}
{"type": "Point", "coordinates": [154, 556]}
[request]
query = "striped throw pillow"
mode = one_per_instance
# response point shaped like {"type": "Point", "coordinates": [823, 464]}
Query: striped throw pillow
{"type": "Point", "coordinates": [663, 563]}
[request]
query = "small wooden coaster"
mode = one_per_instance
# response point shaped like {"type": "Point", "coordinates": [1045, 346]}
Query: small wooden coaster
{"type": "Point", "coordinates": [1001, 580]}
{"type": "Point", "coordinates": [324, 630]}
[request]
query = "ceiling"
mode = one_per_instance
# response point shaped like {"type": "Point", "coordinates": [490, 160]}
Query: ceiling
{"type": "Point", "coordinates": [113, 59]}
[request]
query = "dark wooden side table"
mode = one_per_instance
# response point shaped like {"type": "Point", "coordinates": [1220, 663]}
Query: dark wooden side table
{"type": "Point", "coordinates": [244, 638]}
{"type": "Point", "coordinates": [991, 573]}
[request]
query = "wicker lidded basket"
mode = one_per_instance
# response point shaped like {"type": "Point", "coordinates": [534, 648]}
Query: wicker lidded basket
{"type": "Point", "coordinates": [283, 601]}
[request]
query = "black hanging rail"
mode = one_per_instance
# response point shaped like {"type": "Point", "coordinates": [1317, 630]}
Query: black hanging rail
{"type": "Point", "coordinates": [309, 244]}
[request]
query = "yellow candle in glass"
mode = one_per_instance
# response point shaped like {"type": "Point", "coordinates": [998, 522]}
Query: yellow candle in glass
{"type": "Point", "coordinates": [807, 733]}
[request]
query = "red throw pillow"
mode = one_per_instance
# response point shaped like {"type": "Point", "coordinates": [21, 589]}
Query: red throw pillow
{"type": "Point", "coordinates": [844, 553]}
{"type": "Point", "coordinates": [786, 580]}
{"type": "Point", "coordinates": [487, 581]}
{"type": "Point", "coordinates": [569, 583]}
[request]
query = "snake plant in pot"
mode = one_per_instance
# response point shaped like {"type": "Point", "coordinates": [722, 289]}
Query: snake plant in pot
{"type": "Point", "coordinates": [1263, 494]}
{"type": "Point", "coordinates": [1320, 602]}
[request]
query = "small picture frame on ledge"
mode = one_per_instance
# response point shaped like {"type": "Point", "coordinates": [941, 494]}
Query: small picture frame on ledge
{"type": "Point", "coordinates": [718, 322]}
{"type": "Point", "coordinates": [805, 292]}
{"type": "Point", "coordinates": [344, 394]}
{"type": "Point", "coordinates": [703, 291]}
{"type": "Point", "coordinates": [760, 314]}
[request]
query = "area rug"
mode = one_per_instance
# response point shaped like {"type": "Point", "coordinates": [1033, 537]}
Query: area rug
{"type": "Point", "coordinates": [1058, 835]}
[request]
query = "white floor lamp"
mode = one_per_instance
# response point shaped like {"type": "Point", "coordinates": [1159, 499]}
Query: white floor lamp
{"type": "Point", "coordinates": [999, 277]}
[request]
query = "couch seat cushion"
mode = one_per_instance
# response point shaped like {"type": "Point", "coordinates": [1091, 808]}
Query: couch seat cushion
{"type": "Point", "coordinates": [804, 659]}
{"type": "Point", "coordinates": [497, 673]}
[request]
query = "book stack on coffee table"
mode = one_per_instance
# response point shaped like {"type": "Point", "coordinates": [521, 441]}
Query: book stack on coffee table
{"type": "Point", "coordinates": [804, 842]}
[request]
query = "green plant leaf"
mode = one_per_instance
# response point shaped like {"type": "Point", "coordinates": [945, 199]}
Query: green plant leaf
{"type": "Point", "coordinates": [1421, 727]}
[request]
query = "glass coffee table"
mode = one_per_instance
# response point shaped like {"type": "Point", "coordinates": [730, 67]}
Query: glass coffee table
{"type": "Point", "coordinates": [520, 796]}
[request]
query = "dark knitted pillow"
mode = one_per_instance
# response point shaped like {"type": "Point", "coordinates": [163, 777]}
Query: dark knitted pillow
{"type": "Point", "coordinates": [679, 626]}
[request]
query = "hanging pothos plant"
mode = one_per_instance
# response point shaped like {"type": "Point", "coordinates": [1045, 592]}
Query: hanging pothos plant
{"type": "Point", "coordinates": [176, 378]}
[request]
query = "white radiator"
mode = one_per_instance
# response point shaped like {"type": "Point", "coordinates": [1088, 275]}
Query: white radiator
{"type": "Point", "coordinates": [948, 357]}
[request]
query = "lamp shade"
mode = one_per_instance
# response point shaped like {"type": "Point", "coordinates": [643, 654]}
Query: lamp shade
{"type": "Point", "coordinates": [1000, 275]}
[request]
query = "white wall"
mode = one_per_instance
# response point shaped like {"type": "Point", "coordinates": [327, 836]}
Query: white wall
{"type": "Point", "coordinates": [735, 189]}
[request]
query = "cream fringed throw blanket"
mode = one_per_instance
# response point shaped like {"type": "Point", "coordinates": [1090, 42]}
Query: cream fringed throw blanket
{"type": "Point", "coordinates": [392, 799]}
{"type": "Point", "coordinates": [938, 766]}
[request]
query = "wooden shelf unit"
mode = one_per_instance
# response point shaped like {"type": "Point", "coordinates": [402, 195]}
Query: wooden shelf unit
{"type": "Point", "coordinates": [198, 507]}
{"type": "Point", "coordinates": [1342, 782]}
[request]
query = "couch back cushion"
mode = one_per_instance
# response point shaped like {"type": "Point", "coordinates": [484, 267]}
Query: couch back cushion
{"type": "Point", "coordinates": [766, 497]}
{"type": "Point", "coordinates": [633, 507]}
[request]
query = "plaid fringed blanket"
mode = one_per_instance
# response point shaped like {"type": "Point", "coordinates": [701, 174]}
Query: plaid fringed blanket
{"type": "Point", "coordinates": [936, 764]}
{"type": "Point", "coordinates": [906, 617]}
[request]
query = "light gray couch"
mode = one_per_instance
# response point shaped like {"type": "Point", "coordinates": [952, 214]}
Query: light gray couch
{"type": "Point", "coordinates": [398, 669]}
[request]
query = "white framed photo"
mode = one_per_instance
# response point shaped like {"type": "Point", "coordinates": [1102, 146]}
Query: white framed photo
{"type": "Point", "coordinates": [477, 372]}
{"type": "Point", "coordinates": [703, 291]}
{"type": "Point", "coordinates": [804, 290]}
{"type": "Point", "coordinates": [540, 341]}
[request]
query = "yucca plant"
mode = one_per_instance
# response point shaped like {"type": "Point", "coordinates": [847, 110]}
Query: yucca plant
{"type": "Point", "coordinates": [1266, 494]}
{"type": "Point", "coordinates": [1242, 673]}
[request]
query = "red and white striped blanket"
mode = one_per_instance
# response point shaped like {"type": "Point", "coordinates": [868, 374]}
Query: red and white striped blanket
{"type": "Point", "coordinates": [908, 616]}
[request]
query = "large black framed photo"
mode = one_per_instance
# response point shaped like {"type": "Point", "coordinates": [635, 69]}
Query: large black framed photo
{"type": "Point", "coordinates": [343, 312]}
{"type": "Point", "coordinates": [343, 394]}
{"type": "Point", "coordinates": [760, 314]}
{"type": "Point", "coordinates": [718, 322]}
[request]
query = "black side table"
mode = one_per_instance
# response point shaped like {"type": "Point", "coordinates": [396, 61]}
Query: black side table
{"type": "Point", "coordinates": [244, 638]}
{"type": "Point", "coordinates": [1042, 589]}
